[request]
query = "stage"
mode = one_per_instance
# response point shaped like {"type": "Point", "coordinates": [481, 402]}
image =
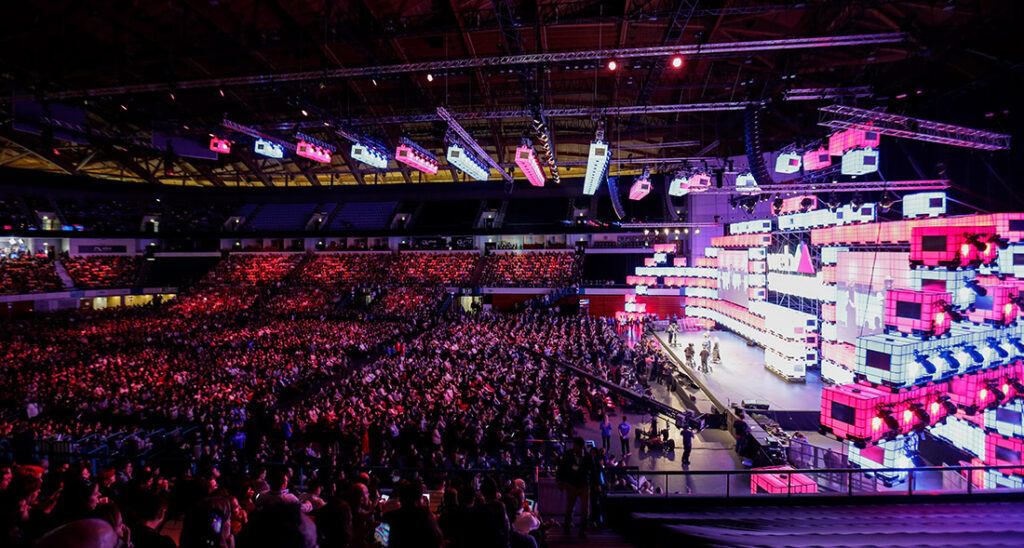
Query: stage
{"type": "Point", "coordinates": [742, 374]}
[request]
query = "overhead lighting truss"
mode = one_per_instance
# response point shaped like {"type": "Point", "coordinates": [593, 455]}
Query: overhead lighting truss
{"type": "Point", "coordinates": [415, 156]}
{"type": "Point", "coordinates": [687, 50]}
{"type": "Point", "coordinates": [313, 148]}
{"type": "Point", "coordinates": [895, 125]}
{"type": "Point", "coordinates": [464, 160]}
{"type": "Point", "coordinates": [540, 127]}
{"type": "Point", "coordinates": [370, 153]}
{"type": "Point", "coordinates": [471, 143]}
{"type": "Point", "coordinates": [820, 94]}
{"type": "Point", "coordinates": [839, 186]}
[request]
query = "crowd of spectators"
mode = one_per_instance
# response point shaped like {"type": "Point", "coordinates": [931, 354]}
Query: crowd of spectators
{"type": "Point", "coordinates": [28, 275]}
{"type": "Point", "coordinates": [101, 272]}
{"type": "Point", "coordinates": [532, 269]}
{"type": "Point", "coordinates": [254, 268]}
{"type": "Point", "coordinates": [433, 268]}
{"type": "Point", "coordinates": [414, 302]}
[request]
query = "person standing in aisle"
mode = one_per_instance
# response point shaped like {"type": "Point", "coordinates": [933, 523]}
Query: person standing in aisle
{"type": "Point", "coordinates": [687, 445]}
{"type": "Point", "coordinates": [624, 429]}
{"type": "Point", "coordinates": [606, 435]}
{"type": "Point", "coordinates": [704, 360]}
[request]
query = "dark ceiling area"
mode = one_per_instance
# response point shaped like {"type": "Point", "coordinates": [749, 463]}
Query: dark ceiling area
{"type": "Point", "coordinates": [380, 69]}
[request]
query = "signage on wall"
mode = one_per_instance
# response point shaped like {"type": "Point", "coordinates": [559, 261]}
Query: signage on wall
{"type": "Point", "coordinates": [732, 276]}
{"type": "Point", "coordinates": [799, 261]}
{"type": "Point", "coordinates": [862, 279]}
{"type": "Point", "coordinates": [103, 249]}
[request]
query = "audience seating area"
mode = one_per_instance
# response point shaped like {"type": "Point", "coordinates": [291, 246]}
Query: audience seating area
{"type": "Point", "coordinates": [101, 272]}
{"type": "Point", "coordinates": [434, 268]}
{"type": "Point", "coordinates": [531, 269]}
{"type": "Point", "coordinates": [30, 275]}
{"type": "Point", "coordinates": [254, 269]}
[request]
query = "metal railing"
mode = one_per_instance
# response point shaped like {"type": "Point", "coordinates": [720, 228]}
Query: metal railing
{"type": "Point", "coordinates": [835, 481]}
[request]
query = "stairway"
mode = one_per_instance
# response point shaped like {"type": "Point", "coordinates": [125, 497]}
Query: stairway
{"type": "Point", "coordinates": [474, 280]}
{"type": "Point", "coordinates": [62, 273]}
{"type": "Point", "coordinates": [142, 274]}
{"type": "Point", "coordinates": [299, 268]}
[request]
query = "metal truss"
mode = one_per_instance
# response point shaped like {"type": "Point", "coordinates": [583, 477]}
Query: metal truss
{"type": "Point", "coordinates": [470, 142]}
{"type": "Point", "coordinates": [817, 94]}
{"type": "Point", "coordinates": [503, 61]}
{"type": "Point", "coordinates": [895, 125]}
{"type": "Point", "coordinates": [578, 112]}
{"type": "Point", "coordinates": [838, 186]}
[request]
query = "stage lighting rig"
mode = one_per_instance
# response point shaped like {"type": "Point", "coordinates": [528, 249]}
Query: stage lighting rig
{"type": "Point", "coordinates": [464, 160]}
{"type": "Point", "coordinates": [527, 161]}
{"type": "Point", "coordinates": [370, 153]}
{"type": "Point", "coordinates": [415, 156]}
{"type": "Point", "coordinates": [680, 186]}
{"type": "Point", "coordinates": [597, 162]}
{"type": "Point", "coordinates": [642, 186]}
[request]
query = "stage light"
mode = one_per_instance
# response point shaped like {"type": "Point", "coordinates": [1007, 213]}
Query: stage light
{"type": "Point", "coordinates": [642, 187]}
{"type": "Point", "coordinates": [816, 159]}
{"type": "Point", "coordinates": [857, 201]}
{"type": "Point", "coordinates": [612, 65]}
{"type": "Point", "coordinates": [876, 423]}
{"type": "Point", "coordinates": [806, 204]}
{"type": "Point", "coordinates": [220, 145]}
{"type": "Point", "coordinates": [925, 363]}
{"type": "Point", "coordinates": [948, 405]}
{"type": "Point", "coordinates": [677, 61]}
{"type": "Point", "coordinates": [370, 155]}
{"type": "Point", "coordinates": [679, 185]}
{"type": "Point", "coordinates": [430, 77]}
{"type": "Point", "coordinates": [887, 201]}
{"type": "Point", "coordinates": [935, 407]}
{"type": "Point", "coordinates": [305, 112]}
{"type": "Point", "coordinates": [777, 205]}
{"type": "Point", "coordinates": [527, 161]}
{"type": "Point", "coordinates": [951, 360]}
{"type": "Point", "coordinates": [976, 287]}
{"type": "Point", "coordinates": [313, 152]}
{"type": "Point", "coordinates": [597, 167]}
{"type": "Point", "coordinates": [221, 92]}
{"type": "Point", "coordinates": [859, 161]}
{"type": "Point", "coordinates": [415, 156]}
{"type": "Point", "coordinates": [788, 162]}
{"type": "Point", "coordinates": [833, 203]}
{"type": "Point", "coordinates": [889, 419]}
{"type": "Point", "coordinates": [1018, 387]}
{"type": "Point", "coordinates": [745, 182]}
{"type": "Point", "coordinates": [993, 343]}
{"type": "Point", "coordinates": [467, 163]}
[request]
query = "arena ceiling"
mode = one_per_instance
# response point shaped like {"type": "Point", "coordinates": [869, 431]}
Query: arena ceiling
{"type": "Point", "coordinates": [184, 66]}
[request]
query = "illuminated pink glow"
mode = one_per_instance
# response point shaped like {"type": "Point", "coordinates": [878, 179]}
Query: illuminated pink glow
{"type": "Point", "coordinates": [664, 248]}
{"type": "Point", "coordinates": [792, 205]}
{"type": "Point", "coordinates": [711, 262]}
{"type": "Point", "coordinates": [220, 145]}
{"type": "Point", "coordinates": [930, 320]}
{"type": "Point", "coordinates": [527, 161]}
{"type": "Point", "coordinates": [411, 157]}
{"type": "Point", "coordinates": [840, 142]}
{"type": "Point", "coordinates": [742, 240]}
{"type": "Point", "coordinates": [640, 189]}
{"type": "Point", "coordinates": [817, 159]}
{"type": "Point", "coordinates": [783, 483]}
{"type": "Point", "coordinates": [313, 152]}
{"type": "Point", "coordinates": [899, 232]}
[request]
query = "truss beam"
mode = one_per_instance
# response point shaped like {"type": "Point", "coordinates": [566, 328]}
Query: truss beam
{"type": "Point", "coordinates": [896, 125]}
{"type": "Point", "coordinates": [505, 61]}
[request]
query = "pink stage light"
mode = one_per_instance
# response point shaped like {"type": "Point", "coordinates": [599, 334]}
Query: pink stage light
{"type": "Point", "coordinates": [416, 159]}
{"type": "Point", "coordinates": [313, 152]}
{"type": "Point", "coordinates": [849, 139]}
{"type": "Point", "coordinates": [792, 205]}
{"type": "Point", "coordinates": [527, 161]}
{"type": "Point", "coordinates": [817, 159]}
{"type": "Point", "coordinates": [220, 145]}
{"type": "Point", "coordinates": [641, 188]}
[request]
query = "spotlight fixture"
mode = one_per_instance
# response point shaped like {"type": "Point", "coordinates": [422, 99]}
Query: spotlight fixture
{"type": "Point", "coordinates": [777, 205]}
{"type": "Point", "coordinates": [415, 156]}
{"type": "Point", "coordinates": [788, 162]}
{"type": "Point", "coordinates": [857, 201]}
{"type": "Point", "coordinates": [677, 61]}
{"type": "Point", "coordinates": [430, 77]}
{"type": "Point", "coordinates": [642, 187]}
{"type": "Point", "coordinates": [612, 65]}
{"type": "Point", "coordinates": [220, 145]}
{"type": "Point", "coordinates": [833, 203]}
{"type": "Point", "coordinates": [370, 154]}
{"type": "Point", "coordinates": [679, 186]}
{"type": "Point", "coordinates": [947, 405]}
{"type": "Point", "coordinates": [467, 163]}
{"type": "Point", "coordinates": [527, 161]}
{"type": "Point", "coordinates": [268, 149]}
{"type": "Point", "coordinates": [597, 166]}
{"type": "Point", "coordinates": [806, 204]}
{"type": "Point", "coordinates": [925, 363]}
{"type": "Point", "coordinates": [887, 201]}
{"type": "Point", "coordinates": [889, 420]}
{"type": "Point", "coordinates": [976, 287]}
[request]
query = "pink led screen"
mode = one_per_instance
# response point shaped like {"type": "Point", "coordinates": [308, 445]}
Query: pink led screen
{"type": "Point", "coordinates": [732, 276]}
{"type": "Point", "coordinates": [862, 278]}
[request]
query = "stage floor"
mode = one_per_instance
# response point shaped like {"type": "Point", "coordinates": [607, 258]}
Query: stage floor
{"type": "Point", "coordinates": [742, 375]}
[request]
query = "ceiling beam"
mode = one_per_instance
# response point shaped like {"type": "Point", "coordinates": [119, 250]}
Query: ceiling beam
{"type": "Point", "coordinates": [34, 146]}
{"type": "Point", "coordinates": [207, 173]}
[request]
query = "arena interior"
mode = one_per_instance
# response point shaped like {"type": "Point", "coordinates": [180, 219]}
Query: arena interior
{"type": "Point", "coordinates": [511, 273]}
